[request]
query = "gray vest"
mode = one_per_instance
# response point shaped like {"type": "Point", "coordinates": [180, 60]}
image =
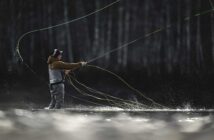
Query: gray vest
{"type": "Point", "coordinates": [55, 76]}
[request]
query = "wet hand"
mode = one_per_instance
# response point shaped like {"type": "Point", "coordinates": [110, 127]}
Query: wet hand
{"type": "Point", "coordinates": [67, 72]}
{"type": "Point", "coordinates": [83, 64]}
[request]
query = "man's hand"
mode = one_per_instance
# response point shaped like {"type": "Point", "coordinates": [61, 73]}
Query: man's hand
{"type": "Point", "coordinates": [83, 64]}
{"type": "Point", "coordinates": [67, 72]}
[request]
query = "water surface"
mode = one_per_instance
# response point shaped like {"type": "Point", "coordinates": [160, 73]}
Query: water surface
{"type": "Point", "coordinates": [105, 123]}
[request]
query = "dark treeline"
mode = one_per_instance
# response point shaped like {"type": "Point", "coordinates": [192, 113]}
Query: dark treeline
{"type": "Point", "coordinates": [185, 48]}
{"type": "Point", "coordinates": [183, 52]}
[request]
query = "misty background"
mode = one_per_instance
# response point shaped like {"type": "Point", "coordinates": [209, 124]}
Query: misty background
{"type": "Point", "coordinates": [173, 67]}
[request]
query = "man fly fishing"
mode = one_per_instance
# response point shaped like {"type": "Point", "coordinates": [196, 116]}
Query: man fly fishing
{"type": "Point", "coordinates": [57, 68]}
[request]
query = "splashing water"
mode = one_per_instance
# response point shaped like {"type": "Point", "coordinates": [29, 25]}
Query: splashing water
{"type": "Point", "coordinates": [87, 123]}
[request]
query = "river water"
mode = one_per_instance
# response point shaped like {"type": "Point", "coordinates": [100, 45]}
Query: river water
{"type": "Point", "coordinates": [106, 123]}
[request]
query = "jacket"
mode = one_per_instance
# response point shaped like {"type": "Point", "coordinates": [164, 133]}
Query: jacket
{"type": "Point", "coordinates": [56, 69]}
{"type": "Point", "coordinates": [54, 63]}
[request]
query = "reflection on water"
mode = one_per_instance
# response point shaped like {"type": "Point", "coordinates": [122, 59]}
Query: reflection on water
{"type": "Point", "coordinates": [106, 124]}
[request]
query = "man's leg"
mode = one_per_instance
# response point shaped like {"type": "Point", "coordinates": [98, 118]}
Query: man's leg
{"type": "Point", "coordinates": [52, 103]}
{"type": "Point", "coordinates": [59, 96]}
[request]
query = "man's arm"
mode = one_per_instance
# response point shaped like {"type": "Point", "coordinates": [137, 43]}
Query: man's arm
{"type": "Point", "coordinates": [66, 66]}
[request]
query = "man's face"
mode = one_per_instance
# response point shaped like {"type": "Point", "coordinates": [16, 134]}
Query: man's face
{"type": "Point", "coordinates": [59, 57]}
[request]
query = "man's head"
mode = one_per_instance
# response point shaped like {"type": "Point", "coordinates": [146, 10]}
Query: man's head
{"type": "Point", "coordinates": [57, 54]}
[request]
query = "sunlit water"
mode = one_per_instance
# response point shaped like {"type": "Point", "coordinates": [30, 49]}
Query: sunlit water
{"type": "Point", "coordinates": [106, 124]}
